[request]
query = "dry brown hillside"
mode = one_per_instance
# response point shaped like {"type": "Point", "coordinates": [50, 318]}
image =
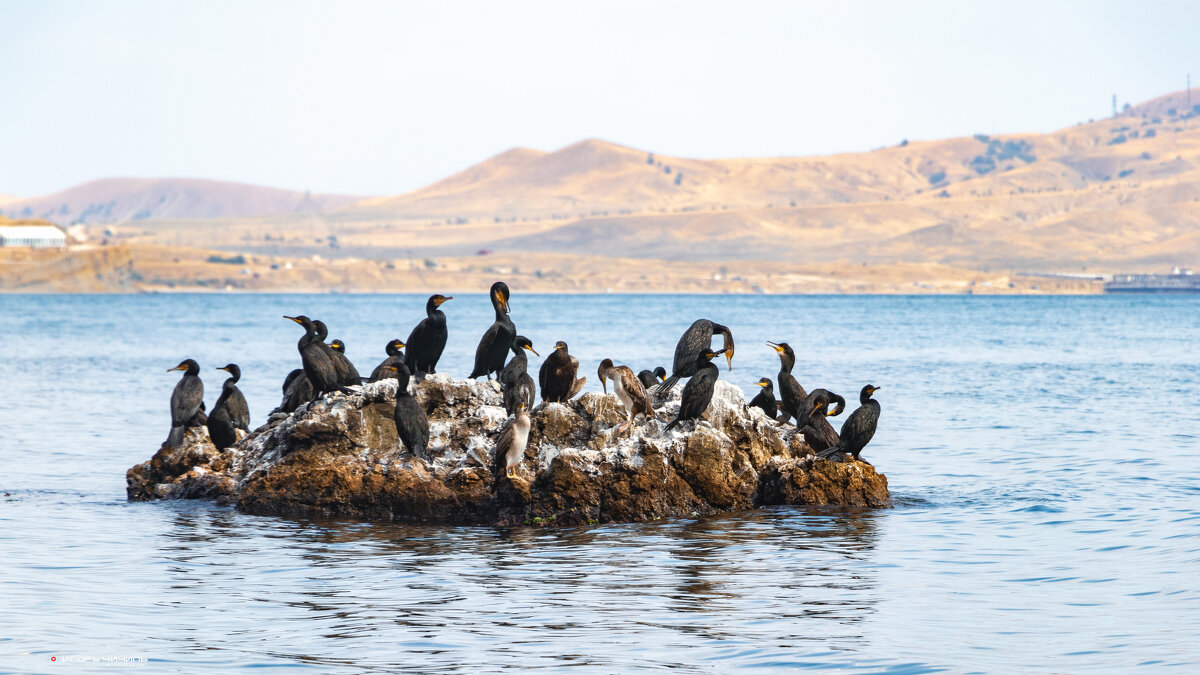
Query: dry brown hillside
{"type": "Point", "coordinates": [1120, 193]}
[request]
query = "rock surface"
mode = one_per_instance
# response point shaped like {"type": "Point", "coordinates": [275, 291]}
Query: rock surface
{"type": "Point", "coordinates": [340, 457]}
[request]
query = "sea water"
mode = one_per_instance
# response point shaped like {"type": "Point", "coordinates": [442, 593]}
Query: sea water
{"type": "Point", "coordinates": [1041, 451]}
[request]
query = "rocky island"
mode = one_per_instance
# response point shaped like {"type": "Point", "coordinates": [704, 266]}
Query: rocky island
{"type": "Point", "coordinates": [340, 457]}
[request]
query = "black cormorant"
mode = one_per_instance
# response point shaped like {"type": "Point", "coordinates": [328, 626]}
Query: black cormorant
{"type": "Point", "coordinates": [629, 391]}
{"type": "Point", "coordinates": [765, 399]}
{"type": "Point", "coordinates": [516, 385]}
{"type": "Point", "coordinates": [230, 412]}
{"type": "Point", "coordinates": [511, 445]}
{"type": "Point", "coordinates": [347, 374]}
{"type": "Point", "coordinates": [392, 349]}
{"type": "Point", "coordinates": [557, 375]}
{"type": "Point", "coordinates": [791, 394]}
{"type": "Point", "coordinates": [427, 339]}
{"type": "Point", "coordinates": [496, 341]}
{"type": "Point", "coordinates": [698, 392]}
{"type": "Point", "coordinates": [859, 427]}
{"type": "Point", "coordinates": [316, 359]}
{"type": "Point", "coordinates": [697, 338]}
{"type": "Point", "coordinates": [651, 378]}
{"type": "Point", "coordinates": [412, 427]}
{"type": "Point", "coordinates": [187, 401]}
{"type": "Point", "coordinates": [817, 430]}
{"type": "Point", "coordinates": [297, 390]}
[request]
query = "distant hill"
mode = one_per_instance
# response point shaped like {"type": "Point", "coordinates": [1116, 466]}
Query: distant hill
{"type": "Point", "coordinates": [1117, 194]}
{"type": "Point", "coordinates": [117, 200]}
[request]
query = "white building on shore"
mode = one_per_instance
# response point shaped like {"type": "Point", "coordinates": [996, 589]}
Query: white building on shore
{"type": "Point", "coordinates": [32, 236]}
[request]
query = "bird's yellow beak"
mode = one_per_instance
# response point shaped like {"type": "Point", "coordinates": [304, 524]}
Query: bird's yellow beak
{"type": "Point", "coordinates": [776, 347]}
{"type": "Point", "coordinates": [530, 348]}
{"type": "Point", "coordinates": [763, 385]}
{"type": "Point", "coordinates": [177, 368]}
{"type": "Point", "coordinates": [292, 318]}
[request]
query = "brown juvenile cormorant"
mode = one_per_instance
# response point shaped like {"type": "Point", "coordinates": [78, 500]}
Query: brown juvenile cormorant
{"type": "Point", "coordinates": [187, 401]}
{"type": "Point", "coordinates": [650, 378]}
{"type": "Point", "coordinates": [297, 391]}
{"type": "Point", "coordinates": [412, 427]}
{"type": "Point", "coordinates": [347, 374]}
{"type": "Point", "coordinates": [511, 444]}
{"type": "Point", "coordinates": [629, 391]}
{"type": "Point", "coordinates": [316, 359]}
{"type": "Point", "coordinates": [791, 394]}
{"type": "Point", "coordinates": [230, 412]}
{"type": "Point", "coordinates": [516, 385]}
{"type": "Point", "coordinates": [698, 392]}
{"type": "Point", "coordinates": [392, 349]}
{"type": "Point", "coordinates": [557, 375]}
{"type": "Point", "coordinates": [765, 399]}
{"type": "Point", "coordinates": [859, 427]}
{"type": "Point", "coordinates": [427, 339]}
{"type": "Point", "coordinates": [496, 341]}
{"type": "Point", "coordinates": [697, 338]}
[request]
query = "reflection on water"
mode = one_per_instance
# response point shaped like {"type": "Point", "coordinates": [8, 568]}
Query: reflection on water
{"type": "Point", "coordinates": [754, 588]}
{"type": "Point", "coordinates": [1042, 456]}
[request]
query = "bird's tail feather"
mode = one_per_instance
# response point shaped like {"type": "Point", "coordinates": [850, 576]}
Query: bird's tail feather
{"type": "Point", "coordinates": [667, 385]}
{"type": "Point", "coordinates": [176, 436]}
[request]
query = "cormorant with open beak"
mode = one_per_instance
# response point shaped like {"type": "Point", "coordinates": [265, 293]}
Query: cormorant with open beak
{"type": "Point", "coordinates": [698, 392]}
{"type": "Point", "coordinates": [697, 338]}
{"type": "Point", "coordinates": [497, 339]}
{"type": "Point", "coordinates": [791, 394]}
{"type": "Point", "coordinates": [427, 340]}
{"type": "Point", "coordinates": [187, 401]}
{"type": "Point", "coordinates": [557, 375]}
{"type": "Point", "coordinates": [230, 412]}
{"type": "Point", "coordinates": [516, 385]}
{"type": "Point", "coordinates": [629, 391]}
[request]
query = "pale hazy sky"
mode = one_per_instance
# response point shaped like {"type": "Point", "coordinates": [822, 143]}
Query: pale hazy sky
{"type": "Point", "coordinates": [383, 97]}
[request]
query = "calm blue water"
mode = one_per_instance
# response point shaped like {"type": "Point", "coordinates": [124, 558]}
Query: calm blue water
{"type": "Point", "coordinates": [1042, 453]}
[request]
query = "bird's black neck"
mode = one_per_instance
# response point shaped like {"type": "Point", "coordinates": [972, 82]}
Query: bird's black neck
{"type": "Point", "coordinates": [519, 357]}
{"type": "Point", "coordinates": [402, 378]}
{"type": "Point", "coordinates": [433, 313]}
